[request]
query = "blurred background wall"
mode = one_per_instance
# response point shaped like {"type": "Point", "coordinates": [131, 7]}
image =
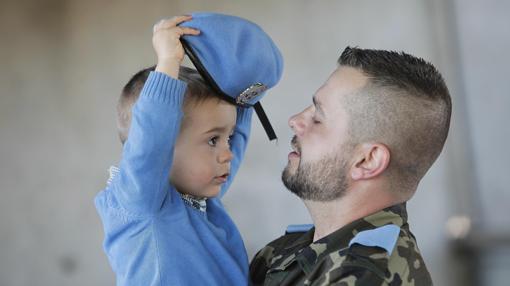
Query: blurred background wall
{"type": "Point", "coordinates": [63, 64]}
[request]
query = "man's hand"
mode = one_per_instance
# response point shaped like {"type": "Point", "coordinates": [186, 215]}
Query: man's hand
{"type": "Point", "coordinates": [168, 48]}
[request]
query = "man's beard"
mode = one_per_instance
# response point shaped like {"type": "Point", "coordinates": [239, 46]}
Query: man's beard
{"type": "Point", "coordinates": [324, 180]}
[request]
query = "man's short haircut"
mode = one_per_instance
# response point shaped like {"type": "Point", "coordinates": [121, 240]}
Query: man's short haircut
{"type": "Point", "coordinates": [197, 91]}
{"type": "Point", "coordinates": [404, 105]}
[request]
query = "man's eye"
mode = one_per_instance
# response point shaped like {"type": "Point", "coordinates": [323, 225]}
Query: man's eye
{"type": "Point", "coordinates": [315, 121]}
{"type": "Point", "coordinates": [212, 142]}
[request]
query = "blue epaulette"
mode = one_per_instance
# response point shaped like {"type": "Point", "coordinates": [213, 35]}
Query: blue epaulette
{"type": "Point", "coordinates": [385, 237]}
{"type": "Point", "coordinates": [293, 228]}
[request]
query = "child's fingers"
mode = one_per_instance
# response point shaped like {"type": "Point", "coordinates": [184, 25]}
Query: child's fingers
{"type": "Point", "coordinates": [174, 21]}
{"type": "Point", "coordinates": [188, 31]}
{"type": "Point", "coordinates": [179, 31]}
{"type": "Point", "coordinates": [170, 24]}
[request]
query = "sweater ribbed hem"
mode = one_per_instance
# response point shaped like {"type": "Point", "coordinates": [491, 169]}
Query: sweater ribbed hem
{"type": "Point", "coordinates": [161, 88]}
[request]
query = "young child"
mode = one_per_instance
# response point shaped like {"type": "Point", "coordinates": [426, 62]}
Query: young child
{"type": "Point", "coordinates": [163, 219]}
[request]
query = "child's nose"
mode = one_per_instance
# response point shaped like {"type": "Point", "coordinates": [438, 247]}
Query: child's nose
{"type": "Point", "coordinates": [225, 156]}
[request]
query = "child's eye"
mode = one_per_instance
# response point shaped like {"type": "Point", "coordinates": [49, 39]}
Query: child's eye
{"type": "Point", "coordinates": [212, 142]}
{"type": "Point", "coordinates": [315, 121]}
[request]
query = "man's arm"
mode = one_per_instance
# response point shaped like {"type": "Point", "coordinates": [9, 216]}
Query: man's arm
{"type": "Point", "coordinates": [238, 143]}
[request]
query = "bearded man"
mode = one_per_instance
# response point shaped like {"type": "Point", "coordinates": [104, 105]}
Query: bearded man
{"type": "Point", "coordinates": [374, 129]}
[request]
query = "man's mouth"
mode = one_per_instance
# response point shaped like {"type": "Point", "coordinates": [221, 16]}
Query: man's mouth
{"type": "Point", "coordinates": [296, 150]}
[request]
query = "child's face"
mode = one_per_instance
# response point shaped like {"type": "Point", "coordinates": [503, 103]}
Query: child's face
{"type": "Point", "coordinates": [202, 153]}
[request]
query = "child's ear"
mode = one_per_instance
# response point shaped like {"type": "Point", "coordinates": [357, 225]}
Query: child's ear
{"type": "Point", "coordinates": [370, 160]}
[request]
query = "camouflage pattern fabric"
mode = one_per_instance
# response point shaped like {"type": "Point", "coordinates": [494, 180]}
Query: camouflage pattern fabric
{"type": "Point", "coordinates": [294, 259]}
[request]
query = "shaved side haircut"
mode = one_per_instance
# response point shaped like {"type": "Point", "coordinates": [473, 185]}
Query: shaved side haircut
{"type": "Point", "coordinates": [405, 105]}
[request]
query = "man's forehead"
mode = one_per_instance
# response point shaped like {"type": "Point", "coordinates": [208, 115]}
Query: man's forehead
{"type": "Point", "coordinates": [344, 80]}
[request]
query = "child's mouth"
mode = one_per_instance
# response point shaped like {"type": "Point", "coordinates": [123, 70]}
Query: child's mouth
{"type": "Point", "coordinates": [221, 179]}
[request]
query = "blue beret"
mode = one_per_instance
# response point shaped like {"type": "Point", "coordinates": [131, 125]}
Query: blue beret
{"type": "Point", "coordinates": [236, 53]}
{"type": "Point", "coordinates": [236, 57]}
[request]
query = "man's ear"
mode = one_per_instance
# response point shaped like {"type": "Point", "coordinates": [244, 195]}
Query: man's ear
{"type": "Point", "coordinates": [370, 160]}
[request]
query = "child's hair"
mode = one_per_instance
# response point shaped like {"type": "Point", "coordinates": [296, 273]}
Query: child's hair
{"type": "Point", "coordinates": [197, 91]}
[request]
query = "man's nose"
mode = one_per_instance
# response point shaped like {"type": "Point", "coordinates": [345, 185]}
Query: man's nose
{"type": "Point", "coordinates": [296, 123]}
{"type": "Point", "coordinates": [225, 156]}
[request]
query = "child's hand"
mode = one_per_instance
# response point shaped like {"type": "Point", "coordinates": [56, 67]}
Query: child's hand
{"type": "Point", "coordinates": [167, 46]}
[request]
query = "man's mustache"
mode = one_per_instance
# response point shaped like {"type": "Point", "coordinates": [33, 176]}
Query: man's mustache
{"type": "Point", "coordinates": [295, 144]}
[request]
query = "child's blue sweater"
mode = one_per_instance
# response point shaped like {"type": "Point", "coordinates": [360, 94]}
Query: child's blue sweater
{"type": "Point", "coordinates": [151, 236]}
